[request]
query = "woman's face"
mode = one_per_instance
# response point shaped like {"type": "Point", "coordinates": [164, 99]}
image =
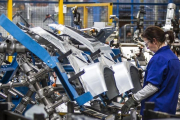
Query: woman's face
{"type": "Point", "coordinates": [152, 46]}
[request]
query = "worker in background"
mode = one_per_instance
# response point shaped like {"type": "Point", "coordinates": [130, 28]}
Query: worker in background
{"type": "Point", "coordinates": [128, 34]}
{"type": "Point", "coordinates": [162, 78]}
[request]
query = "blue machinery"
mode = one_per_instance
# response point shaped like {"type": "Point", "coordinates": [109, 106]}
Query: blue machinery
{"type": "Point", "coordinates": [45, 57]}
{"type": "Point", "coordinates": [52, 62]}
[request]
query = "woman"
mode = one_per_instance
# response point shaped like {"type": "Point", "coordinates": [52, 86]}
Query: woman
{"type": "Point", "coordinates": [162, 76]}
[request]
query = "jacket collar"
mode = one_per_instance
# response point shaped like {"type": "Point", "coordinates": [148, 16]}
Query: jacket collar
{"type": "Point", "coordinates": [162, 49]}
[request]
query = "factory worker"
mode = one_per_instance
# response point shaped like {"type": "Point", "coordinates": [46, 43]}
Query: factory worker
{"type": "Point", "coordinates": [162, 76]}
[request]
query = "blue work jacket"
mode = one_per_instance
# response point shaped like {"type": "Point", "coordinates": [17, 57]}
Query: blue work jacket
{"type": "Point", "coordinates": [163, 71]}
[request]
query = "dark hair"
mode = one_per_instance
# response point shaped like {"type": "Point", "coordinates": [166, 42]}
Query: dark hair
{"type": "Point", "coordinates": [156, 32]}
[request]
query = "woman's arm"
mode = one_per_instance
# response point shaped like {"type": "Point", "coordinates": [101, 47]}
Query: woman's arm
{"type": "Point", "coordinates": [147, 91]}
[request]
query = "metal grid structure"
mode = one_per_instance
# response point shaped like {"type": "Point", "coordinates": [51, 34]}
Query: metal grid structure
{"type": "Point", "coordinates": [154, 14]}
{"type": "Point", "coordinates": [68, 17]}
{"type": "Point", "coordinates": [36, 12]}
{"type": "Point", "coordinates": [103, 18]}
{"type": "Point", "coordinates": [3, 10]}
{"type": "Point", "coordinates": [90, 17]}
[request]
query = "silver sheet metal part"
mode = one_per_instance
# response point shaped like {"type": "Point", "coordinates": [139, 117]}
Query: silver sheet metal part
{"type": "Point", "coordinates": [90, 42]}
{"type": "Point", "coordinates": [76, 58]}
{"type": "Point", "coordinates": [123, 81]}
{"type": "Point", "coordinates": [122, 76]}
{"type": "Point", "coordinates": [93, 78]}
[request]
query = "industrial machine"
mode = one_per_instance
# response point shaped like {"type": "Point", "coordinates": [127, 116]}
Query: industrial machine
{"type": "Point", "coordinates": [73, 71]}
{"type": "Point", "coordinates": [84, 78]}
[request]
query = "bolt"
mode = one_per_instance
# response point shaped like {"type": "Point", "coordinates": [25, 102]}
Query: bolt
{"type": "Point", "coordinates": [45, 90]}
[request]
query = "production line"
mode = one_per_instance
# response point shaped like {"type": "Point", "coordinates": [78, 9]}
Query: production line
{"type": "Point", "coordinates": [76, 70]}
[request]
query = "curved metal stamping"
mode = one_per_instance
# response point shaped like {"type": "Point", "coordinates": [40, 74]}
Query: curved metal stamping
{"type": "Point", "coordinates": [93, 78]}
{"type": "Point", "coordinates": [105, 56]}
{"type": "Point", "coordinates": [76, 59]}
{"type": "Point", "coordinates": [78, 63]}
{"type": "Point", "coordinates": [122, 75]}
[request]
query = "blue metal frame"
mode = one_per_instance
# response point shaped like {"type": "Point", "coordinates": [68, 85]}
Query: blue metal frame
{"type": "Point", "coordinates": [10, 71]}
{"type": "Point", "coordinates": [40, 52]}
{"type": "Point", "coordinates": [96, 13]}
{"type": "Point", "coordinates": [68, 68]}
{"type": "Point", "coordinates": [132, 11]}
{"type": "Point", "coordinates": [117, 9]}
{"type": "Point", "coordinates": [116, 52]}
{"type": "Point", "coordinates": [170, 1]}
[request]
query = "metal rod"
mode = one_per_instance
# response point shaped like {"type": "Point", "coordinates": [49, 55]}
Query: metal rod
{"type": "Point", "coordinates": [70, 107]}
{"type": "Point", "coordinates": [12, 93]}
{"type": "Point", "coordinates": [57, 103]}
{"type": "Point", "coordinates": [29, 93]}
{"type": "Point", "coordinates": [45, 100]}
{"type": "Point", "coordinates": [8, 85]}
{"type": "Point", "coordinates": [61, 88]}
{"type": "Point", "coordinates": [2, 95]}
{"type": "Point", "coordinates": [9, 98]}
{"type": "Point", "coordinates": [18, 93]}
{"type": "Point", "coordinates": [24, 102]}
{"type": "Point", "coordinates": [37, 86]}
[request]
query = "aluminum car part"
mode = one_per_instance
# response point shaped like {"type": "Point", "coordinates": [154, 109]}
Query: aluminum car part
{"type": "Point", "coordinates": [93, 78]}
{"type": "Point", "coordinates": [75, 61]}
{"type": "Point", "coordinates": [122, 76]}
{"type": "Point", "coordinates": [78, 62]}
{"type": "Point", "coordinates": [90, 42]}
{"type": "Point", "coordinates": [93, 45]}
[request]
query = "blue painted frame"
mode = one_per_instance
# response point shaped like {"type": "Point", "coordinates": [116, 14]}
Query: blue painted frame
{"type": "Point", "coordinates": [40, 52]}
{"type": "Point", "coordinates": [10, 71]}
